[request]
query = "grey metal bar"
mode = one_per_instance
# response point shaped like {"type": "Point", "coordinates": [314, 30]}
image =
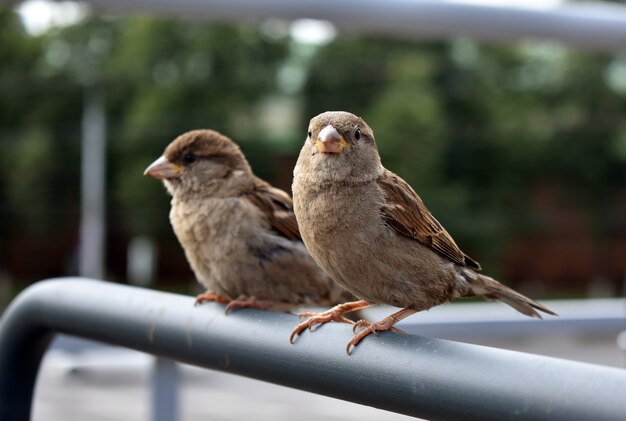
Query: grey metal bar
{"type": "Point", "coordinates": [165, 390]}
{"type": "Point", "coordinates": [492, 319]}
{"type": "Point", "coordinates": [595, 26]}
{"type": "Point", "coordinates": [93, 178]}
{"type": "Point", "coordinates": [419, 376]}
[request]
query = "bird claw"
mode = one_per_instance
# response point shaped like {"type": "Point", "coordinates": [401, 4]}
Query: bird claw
{"type": "Point", "coordinates": [247, 302]}
{"type": "Point", "coordinates": [334, 314]}
{"type": "Point", "coordinates": [375, 327]}
{"type": "Point", "coordinates": [312, 324]}
{"type": "Point", "coordinates": [314, 319]}
{"type": "Point", "coordinates": [358, 338]}
{"type": "Point", "coordinates": [360, 323]}
{"type": "Point", "coordinates": [306, 314]}
{"type": "Point", "coordinates": [211, 297]}
{"type": "Point", "coordinates": [369, 328]}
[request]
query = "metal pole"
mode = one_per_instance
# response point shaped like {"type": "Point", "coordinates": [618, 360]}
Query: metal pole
{"type": "Point", "coordinates": [165, 386]}
{"type": "Point", "coordinates": [413, 375]}
{"type": "Point", "coordinates": [165, 376]}
{"type": "Point", "coordinates": [92, 223]}
{"type": "Point", "coordinates": [593, 26]}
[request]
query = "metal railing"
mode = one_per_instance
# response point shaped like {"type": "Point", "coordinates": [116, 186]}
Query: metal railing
{"type": "Point", "coordinates": [413, 375]}
{"type": "Point", "coordinates": [597, 26]}
{"type": "Point", "coordinates": [482, 319]}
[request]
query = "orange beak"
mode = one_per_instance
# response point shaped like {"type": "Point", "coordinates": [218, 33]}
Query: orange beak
{"type": "Point", "coordinates": [162, 169]}
{"type": "Point", "coordinates": [330, 141]}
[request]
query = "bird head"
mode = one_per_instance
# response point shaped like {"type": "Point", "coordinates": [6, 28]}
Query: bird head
{"type": "Point", "coordinates": [340, 147]}
{"type": "Point", "coordinates": [197, 160]}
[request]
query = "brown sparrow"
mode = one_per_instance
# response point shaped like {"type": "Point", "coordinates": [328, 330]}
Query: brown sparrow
{"type": "Point", "coordinates": [239, 233]}
{"type": "Point", "coordinates": [370, 231]}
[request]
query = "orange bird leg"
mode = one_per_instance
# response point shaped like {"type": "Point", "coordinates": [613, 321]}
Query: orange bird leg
{"type": "Point", "coordinates": [334, 314]}
{"type": "Point", "coordinates": [385, 324]}
{"type": "Point", "coordinates": [248, 302]}
{"type": "Point", "coordinates": [211, 296]}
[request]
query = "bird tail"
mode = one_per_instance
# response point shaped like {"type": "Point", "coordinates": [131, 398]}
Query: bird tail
{"type": "Point", "coordinates": [494, 290]}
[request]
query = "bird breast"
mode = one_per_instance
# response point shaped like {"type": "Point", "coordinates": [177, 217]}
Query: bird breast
{"type": "Point", "coordinates": [213, 232]}
{"type": "Point", "coordinates": [343, 229]}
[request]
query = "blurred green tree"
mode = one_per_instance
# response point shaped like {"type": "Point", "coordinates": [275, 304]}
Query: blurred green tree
{"type": "Point", "coordinates": [39, 112]}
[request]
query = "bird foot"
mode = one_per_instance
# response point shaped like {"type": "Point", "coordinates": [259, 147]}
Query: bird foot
{"type": "Point", "coordinates": [248, 302]}
{"type": "Point", "coordinates": [211, 296]}
{"type": "Point", "coordinates": [369, 328]}
{"type": "Point", "coordinates": [313, 319]}
{"type": "Point", "coordinates": [375, 327]}
{"type": "Point", "coordinates": [385, 324]}
{"type": "Point", "coordinates": [334, 314]}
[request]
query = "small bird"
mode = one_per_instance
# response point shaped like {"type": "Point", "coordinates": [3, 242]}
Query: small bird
{"type": "Point", "coordinates": [371, 232]}
{"type": "Point", "coordinates": [239, 233]}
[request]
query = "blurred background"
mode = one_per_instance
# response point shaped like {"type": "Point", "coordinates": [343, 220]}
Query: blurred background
{"type": "Point", "coordinates": [519, 149]}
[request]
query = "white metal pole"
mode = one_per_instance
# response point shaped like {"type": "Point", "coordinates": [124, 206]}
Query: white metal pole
{"type": "Point", "coordinates": [92, 224]}
{"type": "Point", "coordinates": [592, 26]}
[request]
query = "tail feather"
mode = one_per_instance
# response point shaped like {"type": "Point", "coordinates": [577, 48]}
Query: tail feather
{"type": "Point", "coordinates": [494, 290]}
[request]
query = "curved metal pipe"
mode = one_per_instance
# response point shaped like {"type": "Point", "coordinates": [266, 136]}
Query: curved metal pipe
{"type": "Point", "coordinates": [413, 375]}
{"type": "Point", "coordinates": [593, 26]}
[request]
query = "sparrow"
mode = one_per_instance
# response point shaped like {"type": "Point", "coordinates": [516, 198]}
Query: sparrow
{"type": "Point", "coordinates": [239, 233]}
{"type": "Point", "coordinates": [372, 233]}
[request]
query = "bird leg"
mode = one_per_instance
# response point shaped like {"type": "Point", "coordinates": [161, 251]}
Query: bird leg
{"type": "Point", "coordinates": [211, 296]}
{"type": "Point", "coordinates": [334, 314]}
{"type": "Point", "coordinates": [244, 301]}
{"type": "Point", "coordinates": [385, 324]}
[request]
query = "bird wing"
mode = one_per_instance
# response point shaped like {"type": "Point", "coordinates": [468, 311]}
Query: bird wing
{"type": "Point", "coordinates": [405, 212]}
{"type": "Point", "coordinates": [277, 207]}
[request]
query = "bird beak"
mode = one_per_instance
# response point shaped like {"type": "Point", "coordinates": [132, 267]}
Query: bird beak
{"type": "Point", "coordinates": [162, 169]}
{"type": "Point", "coordinates": [330, 141]}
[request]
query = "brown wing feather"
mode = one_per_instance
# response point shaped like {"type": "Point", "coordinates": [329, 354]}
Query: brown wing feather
{"type": "Point", "coordinates": [277, 206]}
{"type": "Point", "coordinates": [405, 212]}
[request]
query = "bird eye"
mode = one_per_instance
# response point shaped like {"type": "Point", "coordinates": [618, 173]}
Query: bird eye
{"type": "Point", "coordinates": [309, 133]}
{"type": "Point", "coordinates": [357, 133]}
{"type": "Point", "coordinates": [189, 158]}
